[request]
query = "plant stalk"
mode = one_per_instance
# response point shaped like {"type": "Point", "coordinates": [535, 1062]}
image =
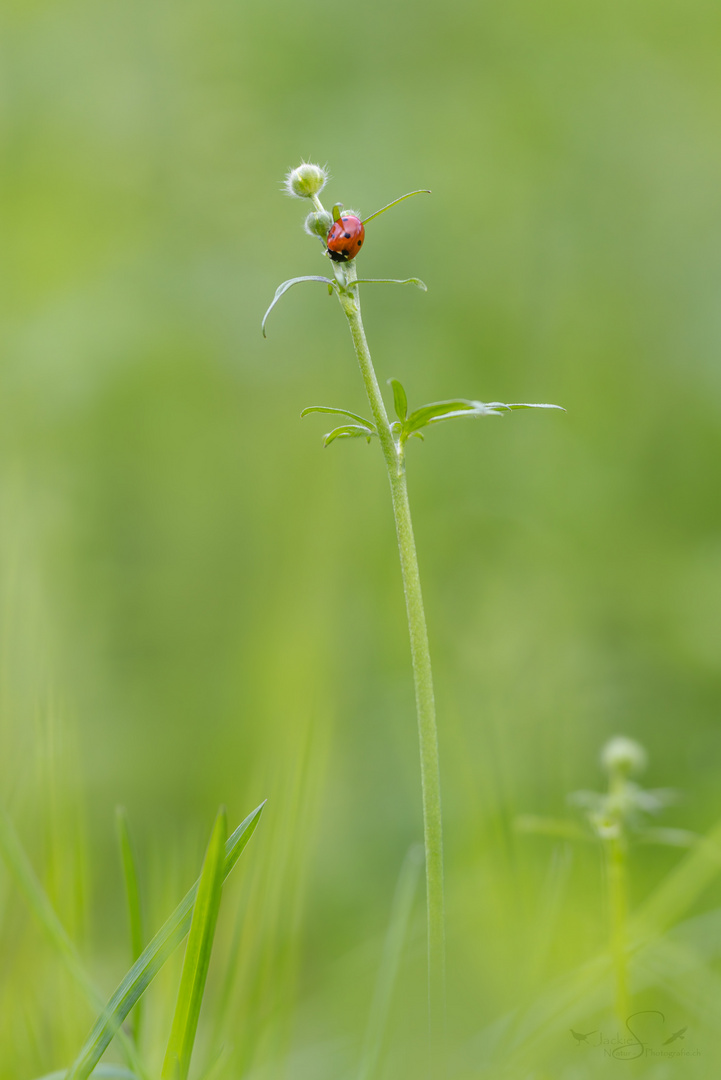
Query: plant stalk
{"type": "Point", "coordinates": [616, 852]}
{"type": "Point", "coordinates": [422, 674]}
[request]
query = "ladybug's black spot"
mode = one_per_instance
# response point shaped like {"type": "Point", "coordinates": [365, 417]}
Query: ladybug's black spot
{"type": "Point", "coordinates": [347, 235]}
{"type": "Point", "coordinates": [359, 243]}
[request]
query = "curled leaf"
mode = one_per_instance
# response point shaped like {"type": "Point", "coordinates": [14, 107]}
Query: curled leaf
{"type": "Point", "coordinates": [339, 412]}
{"type": "Point", "coordinates": [348, 431]}
{"type": "Point", "coordinates": [284, 289]}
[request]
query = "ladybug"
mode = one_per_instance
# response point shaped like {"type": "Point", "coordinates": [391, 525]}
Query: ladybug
{"type": "Point", "coordinates": [345, 238]}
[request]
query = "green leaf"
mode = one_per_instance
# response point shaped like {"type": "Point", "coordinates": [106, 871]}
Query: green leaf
{"type": "Point", "coordinates": [680, 888]}
{"type": "Point", "coordinates": [445, 410]}
{"type": "Point", "coordinates": [132, 897]}
{"type": "Point", "coordinates": [144, 970]}
{"type": "Point", "coordinates": [390, 281]}
{"type": "Point", "coordinates": [339, 412]}
{"type": "Point", "coordinates": [197, 956]}
{"type": "Point", "coordinates": [350, 431]}
{"type": "Point", "coordinates": [422, 191]}
{"type": "Point", "coordinates": [390, 962]}
{"type": "Point", "coordinates": [284, 289]}
{"type": "Point", "coordinates": [400, 400]}
{"type": "Point", "coordinates": [21, 870]}
{"type": "Point", "coordinates": [521, 405]}
{"type": "Point", "coordinates": [103, 1072]}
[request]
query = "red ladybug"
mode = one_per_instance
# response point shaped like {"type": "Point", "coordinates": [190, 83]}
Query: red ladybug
{"type": "Point", "coordinates": [345, 238]}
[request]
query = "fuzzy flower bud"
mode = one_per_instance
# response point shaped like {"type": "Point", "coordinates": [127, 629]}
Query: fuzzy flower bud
{"type": "Point", "coordinates": [622, 755]}
{"type": "Point", "coordinates": [306, 181]}
{"type": "Point", "coordinates": [317, 224]}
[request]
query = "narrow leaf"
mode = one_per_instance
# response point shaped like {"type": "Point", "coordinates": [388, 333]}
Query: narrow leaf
{"type": "Point", "coordinates": [338, 412]}
{"type": "Point", "coordinates": [399, 399]}
{"type": "Point", "coordinates": [132, 897]}
{"type": "Point", "coordinates": [680, 888]}
{"type": "Point", "coordinates": [21, 870]}
{"type": "Point", "coordinates": [445, 410]}
{"type": "Point", "coordinates": [103, 1072]}
{"type": "Point", "coordinates": [152, 959]}
{"type": "Point", "coordinates": [388, 971]}
{"type": "Point", "coordinates": [197, 956]}
{"type": "Point", "coordinates": [522, 405]}
{"type": "Point", "coordinates": [422, 191]}
{"type": "Point", "coordinates": [350, 431]}
{"type": "Point", "coordinates": [284, 289]}
{"type": "Point", "coordinates": [391, 281]}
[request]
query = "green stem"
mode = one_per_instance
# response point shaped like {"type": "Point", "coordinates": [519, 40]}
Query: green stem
{"type": "Point", "coordinates": [425, 703]}
{"type": "Point", "coordinates": [617, 879]}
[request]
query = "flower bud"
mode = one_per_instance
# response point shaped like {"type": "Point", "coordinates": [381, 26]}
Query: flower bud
{"type": "Point", "coordinates": [306, 181]}
{"type": "Point", "coordinates": [622, 755]}
{"type": "Point", "coordinates": [317, 224]}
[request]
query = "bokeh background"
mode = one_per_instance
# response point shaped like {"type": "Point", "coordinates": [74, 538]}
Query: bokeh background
{"type": "Point", "coordinates": [200, 605]}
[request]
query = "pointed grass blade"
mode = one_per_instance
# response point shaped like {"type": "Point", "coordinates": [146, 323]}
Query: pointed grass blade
{"type": "Point", "coordinates": [197, 955]}
{"type": "Point", "coordinates": [152, 959]}
{"type": "Point", "coordinates": [390, 961]}
{"type": "Point", "coordinates": [21, 870]}
{"type": "Point", "coordinates": [103, 1072]}
{"type": "Point", "coordinates": [132, 897]}
{"type": "Point", "coordinates": [680, 888]}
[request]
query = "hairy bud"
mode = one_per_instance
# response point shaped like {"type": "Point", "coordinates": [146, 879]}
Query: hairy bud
{"type": "Point", "coordinates": [306, 181]}
{"type": "Point", "coordinates": [317, 224]}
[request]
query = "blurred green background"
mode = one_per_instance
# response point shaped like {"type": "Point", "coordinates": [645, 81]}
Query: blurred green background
{"type": "Point", "coordinates": [200, 605]}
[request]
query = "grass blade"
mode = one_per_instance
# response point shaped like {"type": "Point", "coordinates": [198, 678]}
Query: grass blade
{"type": "Point", "coordinates": [197, 955]}
{"type": "Point", "coordinates": [20, 869]}
{"type": "Point", "coordinates": [680, 888]}
{"type": "Point", "coordinates": [132, 896]}
{"type": "Point", "coordinates": [103, 1072]}
{"type": "Point", "coordinates": [152, 959]}
{"type": "Point", "coordinates": [388, 970]}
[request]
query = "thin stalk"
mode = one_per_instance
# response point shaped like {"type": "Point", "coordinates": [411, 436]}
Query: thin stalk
{"type": "Point", "coordinates": [617, 881]}
{"type": "Point", "coordinates": [422, 674]}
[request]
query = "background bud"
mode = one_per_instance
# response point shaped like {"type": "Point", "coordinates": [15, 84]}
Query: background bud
{"type": "Point", "coordinates": [622, 755]}
{"type": "Point", "coordinates": [306, 181]}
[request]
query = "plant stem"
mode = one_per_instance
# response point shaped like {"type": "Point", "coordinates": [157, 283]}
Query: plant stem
{"type": "Point", "coordinates": [423, 678]}
{"type": "Point", "coordinates": [616, 852]}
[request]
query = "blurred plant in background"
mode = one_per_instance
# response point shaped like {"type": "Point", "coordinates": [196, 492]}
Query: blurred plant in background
{"type": "Point", "coordinates": [157, 504]}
